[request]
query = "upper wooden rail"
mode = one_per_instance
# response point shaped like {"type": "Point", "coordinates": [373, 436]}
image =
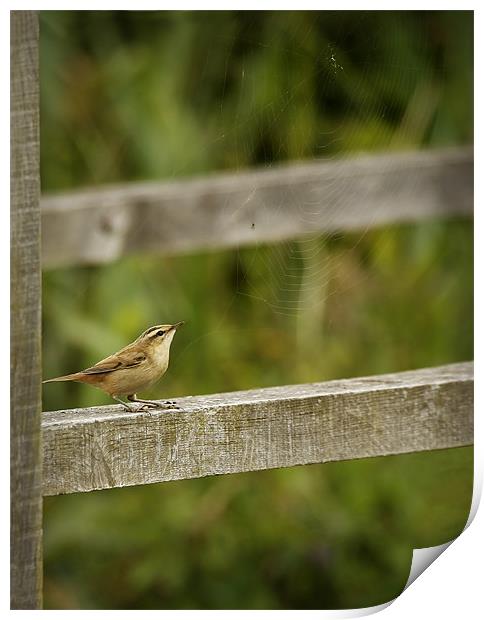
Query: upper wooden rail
{"type": "Point", "coordinates": [105, 447]}
{"type": "Point", "coordinates": [99, 225]}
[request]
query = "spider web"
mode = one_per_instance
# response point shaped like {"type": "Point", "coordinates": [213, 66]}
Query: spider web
{"type": "Point", "coordinates": [356, 98]}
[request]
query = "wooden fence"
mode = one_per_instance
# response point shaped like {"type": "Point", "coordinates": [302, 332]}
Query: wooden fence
{"type": "Point", "coordinates": [101, 224]}
{"type": "Point", "coordinates": [25, 370]}
{"type": "Point", "coordinates": [105, 447]}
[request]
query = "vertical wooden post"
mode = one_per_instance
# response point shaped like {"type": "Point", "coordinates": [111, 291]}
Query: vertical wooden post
{"type": "Point", "coordinates": [25, 448]}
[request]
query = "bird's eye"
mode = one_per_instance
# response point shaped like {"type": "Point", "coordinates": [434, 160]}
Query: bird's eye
{"type": "Point", "coordinates": [160, 332]}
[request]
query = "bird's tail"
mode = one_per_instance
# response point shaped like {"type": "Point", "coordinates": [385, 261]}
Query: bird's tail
{"type": "Point", "coordinates": [73, 377]}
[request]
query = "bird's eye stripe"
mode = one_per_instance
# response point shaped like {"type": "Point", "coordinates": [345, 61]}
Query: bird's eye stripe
{"type": "Point", "coordinates": [151, 329]}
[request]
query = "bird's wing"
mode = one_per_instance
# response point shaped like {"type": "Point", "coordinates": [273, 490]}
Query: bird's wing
{"type": "Point", "coordinates": [118, 361]}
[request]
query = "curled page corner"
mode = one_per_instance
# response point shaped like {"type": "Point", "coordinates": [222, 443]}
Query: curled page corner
{"type": "Point", "coordinates": [367, 611]}
{"type": "Point", "coordinates": [359, 612]}
{"type": "Point", "coordinates": [422, 559]}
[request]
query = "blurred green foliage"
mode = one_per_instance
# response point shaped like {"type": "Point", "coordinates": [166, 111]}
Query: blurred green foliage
{"type": "Point", "coordinates": [158, 95]}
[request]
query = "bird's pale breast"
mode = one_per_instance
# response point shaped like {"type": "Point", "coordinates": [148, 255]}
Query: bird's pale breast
{"type": "Point", "coordinates": [132, 380]}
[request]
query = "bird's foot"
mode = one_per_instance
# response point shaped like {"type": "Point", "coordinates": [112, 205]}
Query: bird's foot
{"type": "Point", "coordinates": [129, 409]}
{"type": "Point", "coordinates": [170, 404]}
{"type": "Point", "coordinates": [166, 404]}
{"type": "Point", "coordinates": [146, 405]}
{"type": "Point", "coordinates": [147, 408]}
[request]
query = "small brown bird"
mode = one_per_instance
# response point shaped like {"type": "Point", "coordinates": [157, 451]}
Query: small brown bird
{"type": "Point", "coordinates": [132, 369]}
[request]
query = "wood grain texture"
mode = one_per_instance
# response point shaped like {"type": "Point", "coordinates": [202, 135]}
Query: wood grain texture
{"type": "Point", "coordinates": [25, 453]}
{"type": "Point", "coordinates": [99, 225]}
{"type": "Point", "coordinates": [105, 447]}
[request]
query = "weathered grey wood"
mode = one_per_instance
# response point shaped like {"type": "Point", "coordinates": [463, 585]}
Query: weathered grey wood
{"type": "Point", "coordinates": [100, 225]}
{"type": "Point", "coordinates": [104, 447]}
{"type": "Point", "coordinates": [25, 453]}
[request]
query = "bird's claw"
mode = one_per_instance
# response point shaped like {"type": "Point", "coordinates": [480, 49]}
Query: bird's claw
{"type": "Point", "coordinates": [168, 404]}
{"type": "Point", "coordinates": [171, 404]}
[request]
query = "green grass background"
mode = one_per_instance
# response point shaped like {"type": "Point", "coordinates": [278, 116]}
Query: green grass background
{"type": "Point", "coordinates": [163, 95]}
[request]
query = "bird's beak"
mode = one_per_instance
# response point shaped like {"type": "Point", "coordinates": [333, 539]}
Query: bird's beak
{"type": "Point", "coordinates": [177, 325]}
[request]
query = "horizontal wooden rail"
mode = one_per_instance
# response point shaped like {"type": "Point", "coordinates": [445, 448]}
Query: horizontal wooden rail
{"type": "Point", "coordinates": [99, 225]}
{"type": "Point", "coordinates": [105, 447]}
